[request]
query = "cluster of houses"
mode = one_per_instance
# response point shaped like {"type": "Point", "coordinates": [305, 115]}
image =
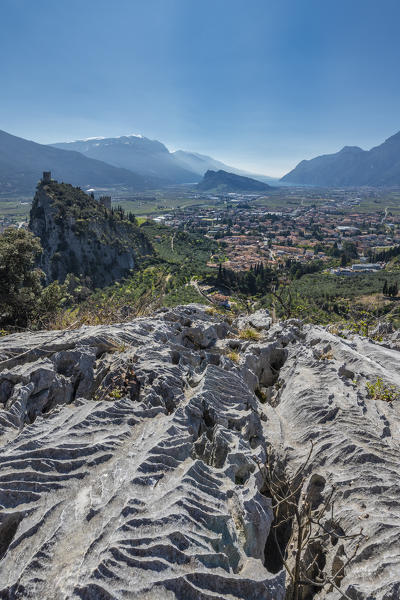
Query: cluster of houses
{"type": "Point", "coordinates": [252, 233]}
{"type": "Point", "coordinates": [358, 268]}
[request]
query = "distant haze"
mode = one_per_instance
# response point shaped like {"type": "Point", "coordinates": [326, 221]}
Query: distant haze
{"type": "Point", "coordinates": [259, 85]}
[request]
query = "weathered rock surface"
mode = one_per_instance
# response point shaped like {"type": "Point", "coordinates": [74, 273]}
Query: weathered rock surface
{"type": "Point", "coordinates": [127, 458]}
{"type": "Point", "coordinates": [260, 319]}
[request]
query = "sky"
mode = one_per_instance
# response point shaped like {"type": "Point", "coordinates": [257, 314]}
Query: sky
{"type": "Point", "coordinates": [259, 84]}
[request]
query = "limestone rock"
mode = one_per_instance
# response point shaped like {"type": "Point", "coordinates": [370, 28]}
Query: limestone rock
{"type": "Point", "coordinates": [260, 319]}
{"type": "Point", "coordinates": [128, 458]}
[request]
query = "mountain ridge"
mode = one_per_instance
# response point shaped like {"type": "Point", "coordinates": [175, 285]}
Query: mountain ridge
{"type": "Point", "coordinates": [151, 157]}
{"type": "Point", "coordinates": [352, 166]}
{"type": "Point", "coordinates": [21, 162]}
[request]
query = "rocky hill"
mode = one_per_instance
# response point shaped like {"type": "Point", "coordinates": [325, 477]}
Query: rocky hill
{"type": "Point", "coordinates": [21, 160]}
{"type": "Point", "coordinates": [352, 166]}
{"type": "Point", "coordinates": [224, 182]}
{"type": "Point", "coordinates": [80, 236]}
{"type": "Point", "coordinates": [129, 460]}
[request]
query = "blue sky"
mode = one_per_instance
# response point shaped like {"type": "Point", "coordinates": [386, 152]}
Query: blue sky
{"type": "Point", "coordinates": [260, 84]}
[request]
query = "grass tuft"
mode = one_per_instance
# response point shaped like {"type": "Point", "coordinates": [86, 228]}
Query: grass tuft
{"type": "Point", "coordinates": [249, 334]}
{"type": "Point", "coordinates": [234, 356]}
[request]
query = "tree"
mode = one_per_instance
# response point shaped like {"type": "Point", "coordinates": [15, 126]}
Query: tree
{"type": "Point", "coordinates": [132, 218]}
{"type": "Point", "coordinates": [392, 290]}
{"type": "Point", "coordinates": [219, 278]}
{"type": "Point", "coordinates": [282, 292]}
{"type": "Point", "coordinates": [344, 261]}
{"type": "Point", "coordinates": [350, 249]}
{"type": "Point", "coordinates": [20, 281]}
{"type": "Point", "coordinates": [385, 288]}
{"type": "Point", "coordinates": [334, 251]}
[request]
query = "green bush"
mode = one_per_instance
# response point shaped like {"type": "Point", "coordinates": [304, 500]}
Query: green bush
{"type": "Point", "coordinates": [378, 390]}
{"type": "Point", "coordinates": [20, 281]}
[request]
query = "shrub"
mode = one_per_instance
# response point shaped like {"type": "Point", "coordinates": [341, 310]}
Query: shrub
{"type": "Point", "coordinates": [51, 300]}
{"type": "Point", "coordinates": [20, 282]}
{"type": "Point", "coordinates": [303, 535]}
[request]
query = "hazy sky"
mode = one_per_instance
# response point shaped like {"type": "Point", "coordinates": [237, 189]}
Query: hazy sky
{"type": "Point", "coordinates": [260, 84]}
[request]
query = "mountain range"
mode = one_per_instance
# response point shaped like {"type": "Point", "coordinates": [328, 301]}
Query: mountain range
{"type": "Point", "coordinates": [352, 166]}
{"type": "Point", "coordinates": [224, 182]}
{"type": "Point", "coordinates": [151, 158]}
{"type": "Point", "coordinates": [22, 163]}
{"type": "Point", "coordinates": [137, 163]}
{"type": "Point", "coordinates": [132, 162]}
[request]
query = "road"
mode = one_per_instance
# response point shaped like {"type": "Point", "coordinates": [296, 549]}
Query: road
{"type": "Point", "coordinates": [196, 286]}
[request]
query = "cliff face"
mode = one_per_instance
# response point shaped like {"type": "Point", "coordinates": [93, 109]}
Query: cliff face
{"type": "Point", "coordinates": [80, 236]}
{"type": "Point", "coordinates": [128, 458]}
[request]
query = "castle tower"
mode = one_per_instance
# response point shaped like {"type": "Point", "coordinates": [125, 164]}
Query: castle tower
{"type": "Point", "coordinates": [46, 177]}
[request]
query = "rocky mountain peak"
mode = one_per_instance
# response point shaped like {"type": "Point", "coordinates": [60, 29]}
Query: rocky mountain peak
{"type": "Point", "coordinates": [351, 150]}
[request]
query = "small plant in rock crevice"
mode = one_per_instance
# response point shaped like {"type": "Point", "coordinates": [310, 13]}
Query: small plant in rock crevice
{"type": "Point", "coordinates": [119, 384]}
{"type": "Point", "coordinates": [304, 529]}
{"type": "Point", "coordinates": [328, 355]}
{"type": "Point", "coordinates": [115, 394]}
{"type": "Point", "coordinates": [262, 396]}
{"type": "Point", "coordinates": [213, 311]}
{"type": "Point", "coordinates": [117, 347]}
{"type": "Point", "coordinates": [378, 390]}
{"type": "Point", "coordinates": [249, 334]}
{"type": "Point", "coordinates": [234, 356]}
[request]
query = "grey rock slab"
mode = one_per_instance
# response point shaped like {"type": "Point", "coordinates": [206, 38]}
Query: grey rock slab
{"type": "Point", "coordinates": [153, 492]}
{"type": "Point", "coordinates": [260, 319]}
